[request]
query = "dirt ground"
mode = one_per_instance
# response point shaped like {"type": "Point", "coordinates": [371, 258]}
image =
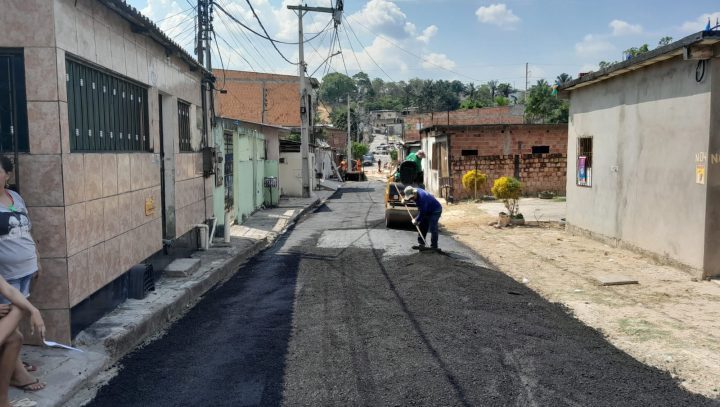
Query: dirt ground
{"type": "Point", "coordinates": [667, 320]}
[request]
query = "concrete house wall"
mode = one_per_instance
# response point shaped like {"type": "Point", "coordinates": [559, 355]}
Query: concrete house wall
{"type": "Point", "coordinates": [89, 209]}
{"type": "Point", "coordinates": [650, 129]}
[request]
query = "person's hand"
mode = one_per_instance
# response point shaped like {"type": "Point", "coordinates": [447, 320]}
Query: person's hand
{"type": "Point", "coordinates": [4, 310]}
{"type": "Point", "coordinates": [37, 324]}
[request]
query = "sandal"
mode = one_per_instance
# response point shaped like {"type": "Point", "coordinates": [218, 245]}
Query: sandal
{"type": "Point", "coordinates": [26, 402]}
{"type": "Point", "coordinates": [28, 387]}
{"type": "Point", "coordinates": [29, 367]}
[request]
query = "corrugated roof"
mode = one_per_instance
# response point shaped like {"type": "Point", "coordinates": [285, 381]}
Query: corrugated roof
{"type": "Point", "coordinates": [648, 58]}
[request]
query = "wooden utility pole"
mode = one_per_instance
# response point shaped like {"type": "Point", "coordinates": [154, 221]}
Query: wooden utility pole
{"type": "Point", "coordinates": [304, 99]}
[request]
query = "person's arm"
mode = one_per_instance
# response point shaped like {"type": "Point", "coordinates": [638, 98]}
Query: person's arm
{"type": "Point", "coordinates": [18, 300]}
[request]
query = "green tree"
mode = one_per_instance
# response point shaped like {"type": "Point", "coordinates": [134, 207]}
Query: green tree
{"type": "Point", "coordinates": [492, 85]}
{"type": "Point", "coordinates": [606, 64]}
{"type": "Point", "coordinates": [338, 118]}
{"type": "Point", "coordinates": [544, 107]}
{"type": "Point", "coordinates": [562, 78]}
{"type": "Point", "coordinates": [664, 41]}
{"type": "Point", "coordinates": [364, 86]}
{"type": "Point", "coordinates": [358, 150]}
{"type": "Point", "coordinates": [501, 101]}
{"type": "Point", "coordinates": [504, 89]}
{"type": "Point", "coordinates": [335, 88]}
{"type": "Point", "coordinates": [635, 51]}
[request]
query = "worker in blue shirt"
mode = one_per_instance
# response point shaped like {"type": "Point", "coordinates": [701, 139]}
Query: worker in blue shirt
{"type": "Point", "coordinates": [429, 211]}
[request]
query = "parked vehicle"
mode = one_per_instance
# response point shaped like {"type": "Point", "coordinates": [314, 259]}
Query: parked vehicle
{"type": "Point", "coordinates": [368, 159]}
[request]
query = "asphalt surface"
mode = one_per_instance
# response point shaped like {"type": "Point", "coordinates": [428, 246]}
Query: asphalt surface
{"type": "Point", "coordinates": [342, 312]}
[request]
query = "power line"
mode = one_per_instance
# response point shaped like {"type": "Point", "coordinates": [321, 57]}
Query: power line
{"type": "Point", "coordinates": [413, 54]}
{"type": "Point", "coordinates": [268, 35]}
{"type": "Point", "coordinates": [239, 44]}
{"type": "Point", "coordinates": [249, 41]}
{"type": "Point", "coordinates": [337, 37]}
{"type": "Point", "coordinates": [365, 50]}
{"type": "Point", "coordinates": [222, 64]}
{"type": "Point", "coordinates": [236, 51]}
{"type": "Point", "coordinates": [174, 15]}
{"type": "Point", "coordinates": [353, 50]}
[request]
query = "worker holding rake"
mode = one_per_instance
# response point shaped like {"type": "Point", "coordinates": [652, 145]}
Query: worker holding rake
{"type": "Point", "coordinates": [429, 212]}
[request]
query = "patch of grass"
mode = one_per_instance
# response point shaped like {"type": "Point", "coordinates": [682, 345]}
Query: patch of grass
{"type": "Point", "coordinates": [641, 329]}
{"type": "Point", "coordinates": [559, 199]}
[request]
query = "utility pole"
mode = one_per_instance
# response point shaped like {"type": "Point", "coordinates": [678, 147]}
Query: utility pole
{"type": "Point", "coordinates": [304, 99]}
{"type": "Point", "coordinates": [349, 140]}
{"type": "Point", "coordinates": [526, 81]}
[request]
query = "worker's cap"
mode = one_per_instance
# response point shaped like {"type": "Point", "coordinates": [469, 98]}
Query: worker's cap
{"type": "Point", "coordinates": [420, 152]}
{"type": "Point", "coordinates": [410, 192]}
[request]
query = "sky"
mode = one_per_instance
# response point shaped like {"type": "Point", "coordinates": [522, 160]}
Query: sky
{"type": "Point", "coordinates": [468, 40]}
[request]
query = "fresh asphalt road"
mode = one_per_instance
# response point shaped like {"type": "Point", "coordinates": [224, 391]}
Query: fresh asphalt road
{"type": "Point", "coordinates": [342, 312]}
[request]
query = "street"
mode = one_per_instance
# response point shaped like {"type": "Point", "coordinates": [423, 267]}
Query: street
{"type": "Point", "coordinates": [340, 311]}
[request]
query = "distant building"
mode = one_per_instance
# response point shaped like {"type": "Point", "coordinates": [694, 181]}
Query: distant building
{"type": "Point", "coordinates": [644, 143]}
{"type": "Point", "coordinates": [414, 122]}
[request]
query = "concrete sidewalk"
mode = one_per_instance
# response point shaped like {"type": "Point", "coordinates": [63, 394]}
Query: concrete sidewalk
{"type": "Point", "coordinates": [72, 376]}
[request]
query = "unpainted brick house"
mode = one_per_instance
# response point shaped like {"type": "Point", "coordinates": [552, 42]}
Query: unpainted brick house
{"type": "Point", "coordinates": [536, 154]}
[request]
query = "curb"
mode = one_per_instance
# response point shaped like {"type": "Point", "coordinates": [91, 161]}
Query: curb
{"type": "Point", "coordinates": [117, 345]}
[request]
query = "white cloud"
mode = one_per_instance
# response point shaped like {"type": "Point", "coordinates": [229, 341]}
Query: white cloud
{"type": "Point", "coordinates": [593, 46]}
{"type": "Point", "coordinates": [620, 28]}
{"type": "Point", "coordinates": [700, 22]}
{"type": "Point", "coordinates": [427, 34]}
{"type": "Point", "coordinates": [497, 14]}
{"type": "Point", "coordinates": [384, 17]}
{"type": "Point", "coordinates": [434, 61]}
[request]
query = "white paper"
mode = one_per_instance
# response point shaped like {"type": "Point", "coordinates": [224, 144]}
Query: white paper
{"type": "Point", "coordinates": [60, 345]}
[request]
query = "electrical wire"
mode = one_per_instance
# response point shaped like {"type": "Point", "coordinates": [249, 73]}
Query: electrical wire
{"type": "Point", "coordinates": [353, 50]}
{"type": "Point", "coordinates": [236, 51]}
{"type": "Point", "coordinates": [222, 64]}
{"type": "Point", "coordinates": [365, 50]}
{"type": "Point", "coordinates": [337, 36]}
{"type": "Point", "coordinates": [267, 37]}
{"type": "Point", "coordinates": [239, 42]}
{"type": "Point", "coordinates": [411, 53]}
{"type": "Point", "coordinates": [174, 15]}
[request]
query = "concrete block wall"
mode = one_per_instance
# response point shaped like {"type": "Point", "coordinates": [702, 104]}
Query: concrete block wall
{"type": "Point", "coordinates": [538, 172]}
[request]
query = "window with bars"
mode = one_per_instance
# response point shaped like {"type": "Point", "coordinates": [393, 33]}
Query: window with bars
{"type": "Point", "coordinates": [105, 112]}
{"type": "Point", "coordinates": [184, 126]}
{"type": "Point", "coordinates": [584, 161]}
{"type": "Point", "coordinates": [13, 111]}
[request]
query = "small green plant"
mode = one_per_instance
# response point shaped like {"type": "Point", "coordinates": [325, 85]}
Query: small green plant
{"type": "Point", "coordinates": [472, 180]}
{"type": "Point", "coordinates": [359, 150]}
{"type": "Point", "coordinates": [508, 189]}
{"type": "Point", "coordinates": [393, 155]}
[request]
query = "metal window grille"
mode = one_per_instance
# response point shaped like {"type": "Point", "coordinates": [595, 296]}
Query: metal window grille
{"type": "Point", "coordinates": [184, 126]}
{"type": "Point", "coordinates": [228, 173]}
{"type": "Point", "coordinates": [13, 111]}
{"type": "Point", "coordinates": [584, 161]}
{"type": "Point", "coordinates": [105, 112]}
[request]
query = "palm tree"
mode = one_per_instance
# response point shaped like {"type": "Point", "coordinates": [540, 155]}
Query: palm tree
{"type": "Point", "coordinates": [562, 78]}
{"type": "Point", "coordinates": [493, 88]}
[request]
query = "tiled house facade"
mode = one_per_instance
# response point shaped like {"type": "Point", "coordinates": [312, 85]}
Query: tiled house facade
{"type": "Point", "coordinates": [110, 102]}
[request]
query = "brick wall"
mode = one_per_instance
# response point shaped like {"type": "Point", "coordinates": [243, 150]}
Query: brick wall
{"type": "Point", "coordinates": [486, 115]}
{"type": "Point", "coordinates": [497, 148]}
{"type": "Point", "coordinates": [538, 172]}
{"type": "Point", "coordinates": [337, 139]}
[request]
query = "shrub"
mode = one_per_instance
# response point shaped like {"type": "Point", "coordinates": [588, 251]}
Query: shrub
{"type": "Point", "coordinates": [474, 180]}
{"type": "Point", "coordinates": [508, 189]}
{"type": "Point", "coordinates": [393, 155]}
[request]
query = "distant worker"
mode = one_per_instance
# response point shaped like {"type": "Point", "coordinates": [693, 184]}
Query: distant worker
{"type": "Point", "coordinates": [429, 212]}
{"type": "Point", "coordinates": [358, 165]}
{"type": "Point", "coordinates": [379, 165]}
{"type": "Point", "coordinates": [343, 167]}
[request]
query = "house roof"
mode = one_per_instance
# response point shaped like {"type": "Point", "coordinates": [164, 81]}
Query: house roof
{"type": "Point", "coordinates": [143, 25]}
{"type": "Point", "coordinates": [680, 47]}
{"type": "Point", "coordinates": [460, 127]}
{"type": "Point", "coordinates": [238, 122]}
